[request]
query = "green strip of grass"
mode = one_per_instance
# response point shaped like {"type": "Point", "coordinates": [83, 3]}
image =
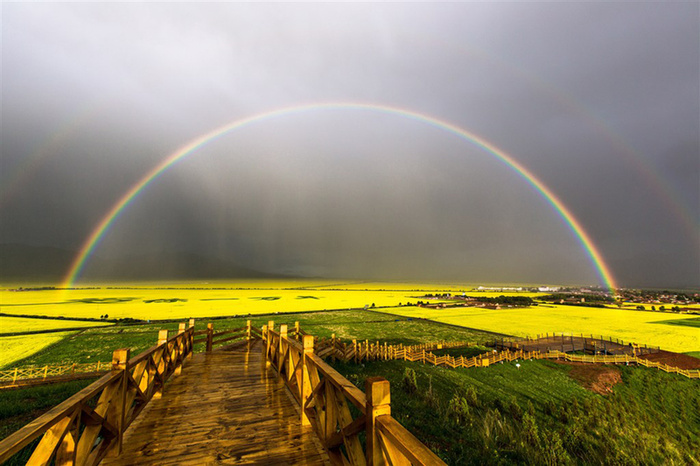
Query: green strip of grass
{"type": "Point", "coordinates": [694, 322]}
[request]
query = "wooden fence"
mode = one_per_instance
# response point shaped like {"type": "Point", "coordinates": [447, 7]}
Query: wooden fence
{"type": "Point", "coordinates": [37, 375]}
{"type": "Point", "coordinates": [326, 400]}
{"type": "Point", "coordinates": [15, 377]}
{"type": "Point", "coordinates": [588, 343]}
{"type": "Point", "coordinates": [486, 359]}
{"type": "Point", "coordinates": [334, 348]}
{"type": "Point", "coordinates": [90, 425]}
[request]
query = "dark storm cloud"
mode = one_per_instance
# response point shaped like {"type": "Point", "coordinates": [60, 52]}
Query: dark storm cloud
{"type": "Point", "coordinates": [600, 101]}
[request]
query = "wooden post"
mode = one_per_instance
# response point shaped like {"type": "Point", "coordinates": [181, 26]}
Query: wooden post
{"type": "Point", "coordinates": [210, 337]}
{"type": "Point", "coordinates": [296, 329]}
{"type": "Point", "coordinates": [378, 404]}
{"type": "Point", "coordinates": [162, 337]}
{"type": "Point", "coordinates": [354, 345]}
{"type": "Point", "coordinates": [280, 352]}
{"type": "Point", "coordinates": [305, 389]}
{"type": "Point", "coordinates": [180, 342]}
{"type": "Point", "coordinates": [247, 331]}
{"type": "Point", "coordinates": [120, 359]}
{"type": "Point", "coordinates": [162, 340]}
{"type": "Point", "coordinates": [333, 352]}
{"type": "Point", "coordinates": [265, 348]}
{"type": "Point", "coordinates": [190, 339]}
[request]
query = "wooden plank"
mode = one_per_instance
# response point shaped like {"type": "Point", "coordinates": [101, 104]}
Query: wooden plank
{"type": "Point", "coordinates": [233, 414]}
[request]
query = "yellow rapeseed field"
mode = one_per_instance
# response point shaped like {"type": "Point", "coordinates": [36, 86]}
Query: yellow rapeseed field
{"type": "Point", "coordinates": [652, 328]}
{"type": "Point", "coordinates": [21, 324]}
{"type": "Point", "coordinates": [15, 348]}
{"type": "Point", "coordinates": [178, 301]}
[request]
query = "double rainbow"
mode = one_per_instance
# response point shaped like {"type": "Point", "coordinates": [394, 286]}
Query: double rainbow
{"type": "Point", "coordinates": [109, 218]}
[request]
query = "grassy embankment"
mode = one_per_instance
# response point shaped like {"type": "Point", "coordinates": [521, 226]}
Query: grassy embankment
{"type": "Point", "coordinates": [541, 414]}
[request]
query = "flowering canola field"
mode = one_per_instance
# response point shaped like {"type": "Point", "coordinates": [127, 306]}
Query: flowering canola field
{"type": "Point", "coordinates": [653, 328]}
{"type": "Point", "coordinates": [179, 301]}
{"type": "Point", "coordinates": [19, 347]}
{"type": "Point", "coordinates": [21, 324]}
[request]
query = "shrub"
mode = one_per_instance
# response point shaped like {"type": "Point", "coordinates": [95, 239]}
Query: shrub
{"type": "Point", "coordinates": [409, 381]}
{"type": "Point", "coordinates": [458, 409]}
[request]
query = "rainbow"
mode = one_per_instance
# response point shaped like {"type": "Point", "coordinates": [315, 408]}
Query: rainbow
{"type": "Point", "coordinates": [109, 218]}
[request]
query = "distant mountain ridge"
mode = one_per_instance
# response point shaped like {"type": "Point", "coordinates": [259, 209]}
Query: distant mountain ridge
{"type": "Point", "coordinates": [24, 262]}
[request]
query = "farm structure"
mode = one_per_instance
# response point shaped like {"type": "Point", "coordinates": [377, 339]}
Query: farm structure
{"type": "Point", "coordinates": [588, 344]}
{"type": "Point", "coordinates": [228, 403]}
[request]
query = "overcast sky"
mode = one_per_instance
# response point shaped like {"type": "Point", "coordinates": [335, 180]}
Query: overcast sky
{"type": "Point", "coordinates": [600, 101]}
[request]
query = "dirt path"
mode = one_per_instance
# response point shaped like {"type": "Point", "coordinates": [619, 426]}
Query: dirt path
{"type": "Point", "coordinates": [682, 361]}
{"type": "Point", "coordinates": [594, 377]}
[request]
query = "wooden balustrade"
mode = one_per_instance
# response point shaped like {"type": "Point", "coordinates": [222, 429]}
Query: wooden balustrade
{"type": "Point", "coordinates": [90, 425]}
{"type": "Point", "coordinates": [337, 410]}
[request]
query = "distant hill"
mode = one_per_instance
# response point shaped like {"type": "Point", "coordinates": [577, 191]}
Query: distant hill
{"type": "Point", "coordinates": [23, 262]}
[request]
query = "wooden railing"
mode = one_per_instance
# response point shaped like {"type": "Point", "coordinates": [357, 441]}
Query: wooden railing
{"type": "Point", "coordinates": [487, 359]}
{"type": "Point", "coordinates": [367, 351]}
{"type": "Point", "coordinates": [90, 425]}
{"type": "Point", "coordinates": [35, 375]}
{"type": "Point", "coordinates": [337, 410]}
{"type": "Point", "coordinates": [13, 377]}
{"type": "Point", "coordinates": [337, 349]}
{"type": "Point", "coordinates": [589, 343]}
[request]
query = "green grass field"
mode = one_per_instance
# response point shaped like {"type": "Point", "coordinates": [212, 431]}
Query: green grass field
{"type": "Point", "coordinates": [97, 344]}
{"type": "Point", "coordinates": [540, 413]}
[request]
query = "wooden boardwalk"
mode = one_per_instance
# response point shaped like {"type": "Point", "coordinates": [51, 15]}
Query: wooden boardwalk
{"type": "Point", "coordinates": [223, 409]}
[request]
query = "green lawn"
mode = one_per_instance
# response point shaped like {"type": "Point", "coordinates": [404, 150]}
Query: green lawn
{"type": "Point", "coordinates": [98, 344]}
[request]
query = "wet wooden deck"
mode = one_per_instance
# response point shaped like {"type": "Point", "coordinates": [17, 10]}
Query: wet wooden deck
{"type": "Point", "coordinates": [223, 409]}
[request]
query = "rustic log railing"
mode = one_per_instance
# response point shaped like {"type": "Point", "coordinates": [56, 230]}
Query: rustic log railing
{"type": "Point", "coordinates": [337, 410]}
{"type": "Point", "coordinates": [90, 425]}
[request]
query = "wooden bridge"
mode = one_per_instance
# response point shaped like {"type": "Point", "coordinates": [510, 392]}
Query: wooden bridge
{"type": "Point", "coordinates": [265, 399]}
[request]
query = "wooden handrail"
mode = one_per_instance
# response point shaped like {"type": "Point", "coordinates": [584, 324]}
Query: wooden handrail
{"type": "Point", "coordinates": [323, 395]}
{"type": "Point", "coordinates": [404, 441]}
{"type": "Point", "coordinates": [23, 437]}
{"type": "Point", "coordinates": [79, 431]}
